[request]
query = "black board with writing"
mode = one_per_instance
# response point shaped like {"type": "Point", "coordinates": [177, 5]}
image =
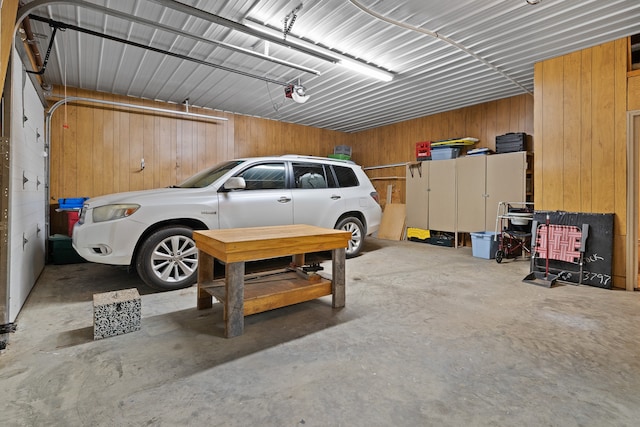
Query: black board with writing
{"type": "Point", "coordinates": [599, 248]}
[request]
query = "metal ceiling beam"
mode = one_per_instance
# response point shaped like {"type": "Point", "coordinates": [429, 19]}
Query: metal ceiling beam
{"type": "Point", "coordinates": [216, 19]}
{"type": "Point", "coordinates": [63, 25]}
{"type": "Point", "coordinates": [27, 9]}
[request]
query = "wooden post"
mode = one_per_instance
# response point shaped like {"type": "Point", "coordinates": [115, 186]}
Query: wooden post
{"type": "Point", "coordinates": [338, 267]}
{"type": "Point", "coordinates": [205, 276]}
{"type": "Point", "coordinates": [234, 302]}
{"type": "Point", "coordinates": [298, 260]}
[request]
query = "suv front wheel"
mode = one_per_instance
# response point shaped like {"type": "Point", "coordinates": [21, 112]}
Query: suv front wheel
{"type": "Point", "coordinates": [168, 259]}
{"type": "Point", "coordinates": [354, 225]}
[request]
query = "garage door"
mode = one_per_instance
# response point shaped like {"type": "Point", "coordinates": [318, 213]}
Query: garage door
{"type": "Point", "coordinates": [24, 215]}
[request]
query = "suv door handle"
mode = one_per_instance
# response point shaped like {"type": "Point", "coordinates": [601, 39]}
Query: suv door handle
{"type": "Point", "coordinates": [335, 197]}
{"type": "Point", "coordinates": [284, 199]}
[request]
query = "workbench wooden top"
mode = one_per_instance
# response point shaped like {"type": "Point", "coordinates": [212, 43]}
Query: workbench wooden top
{"type": "Point", "coordinates": [253, 243]}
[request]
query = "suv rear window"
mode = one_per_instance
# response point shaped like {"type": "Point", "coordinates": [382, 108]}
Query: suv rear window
{"type": "Point", "coordinates": [346, 176]}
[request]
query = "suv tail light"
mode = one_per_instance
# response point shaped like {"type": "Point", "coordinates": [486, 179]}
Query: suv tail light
{"type": "Point", "coordinates": [375, 196]}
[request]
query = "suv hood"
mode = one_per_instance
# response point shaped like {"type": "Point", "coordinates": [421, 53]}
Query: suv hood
{"type": "Point", "coordinates": [145, 197]}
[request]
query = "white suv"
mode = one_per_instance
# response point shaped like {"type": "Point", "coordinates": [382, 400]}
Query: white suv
{"type": "Point", "coordinates": [152, 229]}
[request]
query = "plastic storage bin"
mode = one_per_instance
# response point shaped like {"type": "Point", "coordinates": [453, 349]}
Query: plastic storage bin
{"type": "Point", "coordinates": [342, 149]}
{"type": "Point", "coordinates": [444, 153]}
{"type": "Point", "coordinates": [61, 251]}
{"type": "Point", "coordinates": [72, 203]}
{"type": "Point", "coordinates": [72, 218]}
{"type": "Point", "coordinates": [339, 156]}
{"type": "Point", "coordinates": [484, 245]}
{"type": "Point", "coordinates": [342, 152]}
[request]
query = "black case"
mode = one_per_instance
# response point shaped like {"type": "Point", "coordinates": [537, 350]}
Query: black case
{"type": "Point", "coordinates": [510, 142]}
{"type": "Point", "coordinates": [441, 239]}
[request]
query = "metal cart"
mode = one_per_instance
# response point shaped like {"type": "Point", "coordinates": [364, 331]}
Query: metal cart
{"type": "Point", "coordinates": [513, 230]}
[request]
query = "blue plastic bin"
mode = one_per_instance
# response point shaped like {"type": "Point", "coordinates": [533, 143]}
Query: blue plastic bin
{"type": "Point", "coordinates": [483, 244]}
{"type": "Point", "coordinates": [72, 203]}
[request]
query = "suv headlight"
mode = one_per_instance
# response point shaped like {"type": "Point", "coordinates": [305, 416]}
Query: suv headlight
{"type": "Point", "coordinates": [111, 212]}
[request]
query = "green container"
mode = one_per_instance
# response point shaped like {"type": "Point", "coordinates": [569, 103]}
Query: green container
{"type": "Point", "coordinates": [61, 251]}
{"type": "Point", "coordinates": [339, 156]}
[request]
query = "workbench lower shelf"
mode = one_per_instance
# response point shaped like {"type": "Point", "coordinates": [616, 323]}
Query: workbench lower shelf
{"type": "Point", "coordinates": [266, 292]}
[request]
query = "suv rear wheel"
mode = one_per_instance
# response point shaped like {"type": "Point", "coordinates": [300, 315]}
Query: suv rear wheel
{"type": "Point", "coordinates": [354, 225]}
{"type": "Point", "coordinates": [168, 259]}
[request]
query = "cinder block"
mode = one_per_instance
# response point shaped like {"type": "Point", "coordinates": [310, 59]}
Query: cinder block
{"type": "Point", "coordinates": [116, 313]}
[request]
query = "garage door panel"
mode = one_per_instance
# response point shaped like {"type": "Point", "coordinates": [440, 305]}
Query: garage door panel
{"type": "Point", "coordinates": [27, 198]}
{"type": "Point", "coordinates": [29, 248]}
{"type": "Point", "coordinates": [34, 131]}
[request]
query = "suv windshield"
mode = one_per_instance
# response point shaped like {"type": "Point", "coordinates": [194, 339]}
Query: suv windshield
{"type": "Point", "coordinates": [208, 176]}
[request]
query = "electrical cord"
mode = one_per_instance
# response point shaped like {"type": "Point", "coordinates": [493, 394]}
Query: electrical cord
{"type": "Point", "coordinates": [276, 107]}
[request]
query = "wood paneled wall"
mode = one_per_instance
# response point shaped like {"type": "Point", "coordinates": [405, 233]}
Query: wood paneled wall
{"type": "Point", "coordinates": [8, 14]}
{"type": "Point", "coordinates": [100, 149]}
{"type": "Point", "coordinates": [633, 94]}
{"type": "Point", "coordinates": [262, 137]}
{"type": "Point", "coordinates": [396, 143]}
{"type": "Point", "coordinates": [580, 144]}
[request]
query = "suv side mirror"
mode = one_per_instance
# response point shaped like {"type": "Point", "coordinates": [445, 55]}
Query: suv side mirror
{"type": "Point", "coordinates": [235, 183]}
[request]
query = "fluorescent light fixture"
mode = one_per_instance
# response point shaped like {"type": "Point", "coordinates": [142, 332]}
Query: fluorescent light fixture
{"type": "Point", "coordinates": [367, 70]}
{"type": "Point", "coordinates": [336, 58]}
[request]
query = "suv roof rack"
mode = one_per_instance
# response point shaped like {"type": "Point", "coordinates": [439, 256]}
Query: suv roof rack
{"type": "Point", "coordinates": [299, 156]}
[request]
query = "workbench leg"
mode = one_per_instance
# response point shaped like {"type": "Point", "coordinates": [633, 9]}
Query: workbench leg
{"type": "Point", "coordinates": [298, 260]}
{"type": "Point", "coordinates": [338, 266]}
{"type": "Point", "coordinates": [234, 302]}
{"type": "Point", "coordinates": [205, 275]}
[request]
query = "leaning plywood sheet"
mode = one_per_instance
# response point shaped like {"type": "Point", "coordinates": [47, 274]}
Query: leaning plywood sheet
{"type": "Point", "coordinates": [392, 224]}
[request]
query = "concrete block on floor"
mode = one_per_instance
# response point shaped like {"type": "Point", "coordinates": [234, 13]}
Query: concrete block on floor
{"type": "Point", "coordinates": [116, 313]}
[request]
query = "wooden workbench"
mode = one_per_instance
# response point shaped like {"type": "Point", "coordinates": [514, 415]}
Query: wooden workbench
{"type": "Point", "coordinates": [265, 292]}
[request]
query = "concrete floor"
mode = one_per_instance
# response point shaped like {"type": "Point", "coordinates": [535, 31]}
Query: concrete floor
{"type": "Point", "coordinates": [430, 336]}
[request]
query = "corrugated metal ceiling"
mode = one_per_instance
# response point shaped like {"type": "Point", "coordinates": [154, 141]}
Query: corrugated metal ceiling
{"type": "Point", "coordinates": [498, 42]}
